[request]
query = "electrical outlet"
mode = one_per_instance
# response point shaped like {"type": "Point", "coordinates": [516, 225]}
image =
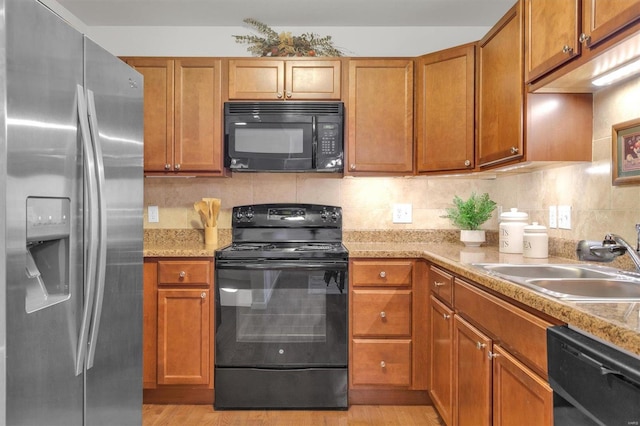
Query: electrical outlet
{"type": "Point", "coordinates": [153, 215]}
{"type": "Point", "coordinates": [564, 217]}
{"type": "Point", "coordinates": [402, 213]}
{"type": "Point", "coordinates": [553, 217]}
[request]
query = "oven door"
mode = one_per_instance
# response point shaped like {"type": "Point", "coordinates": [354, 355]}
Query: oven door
{"type": "Point", "coordinates": [281, 314]}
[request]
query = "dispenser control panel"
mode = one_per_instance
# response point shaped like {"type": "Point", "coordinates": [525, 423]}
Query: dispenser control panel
{"type": "Point", "coordinates": [47, 218]}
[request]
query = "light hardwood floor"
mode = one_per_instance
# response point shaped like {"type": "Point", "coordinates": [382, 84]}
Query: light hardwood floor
{"type": "Point", "coordinates": [387, 415]}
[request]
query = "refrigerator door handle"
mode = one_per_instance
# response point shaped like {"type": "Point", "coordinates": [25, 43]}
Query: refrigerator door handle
{"type": "Point", "coordinates": [91, 207]}
{"type": "Point", "coordinates": [102, 228]}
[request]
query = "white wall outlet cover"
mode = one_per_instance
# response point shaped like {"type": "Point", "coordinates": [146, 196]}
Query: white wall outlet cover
{"type": "Point", "coordinates": [402, 213]}
{"type": "Point", "coordinates": [564, 217]}
{"type": "Point", "coordinates": [553, 217]}
{"type": "Point", "coordinates": [153, 215]}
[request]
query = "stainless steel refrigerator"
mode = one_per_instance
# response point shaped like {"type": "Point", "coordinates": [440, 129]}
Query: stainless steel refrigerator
{"type": "Point", "coordinates": [71, 194]}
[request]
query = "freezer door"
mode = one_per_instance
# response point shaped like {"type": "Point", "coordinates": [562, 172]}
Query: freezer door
{"type": "Point", "coordinates": [114, 365]}
{"type": "Point", "coordinates": [44, 265]}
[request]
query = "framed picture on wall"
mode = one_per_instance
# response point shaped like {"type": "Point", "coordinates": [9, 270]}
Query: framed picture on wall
{"type": "Point", "coordinates": [625, 154]}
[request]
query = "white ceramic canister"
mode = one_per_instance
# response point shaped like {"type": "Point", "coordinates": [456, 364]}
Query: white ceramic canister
{"type": "Point", "coordinates": [511, 231]}
{"type": "Point", "coordinates": [535, 241]}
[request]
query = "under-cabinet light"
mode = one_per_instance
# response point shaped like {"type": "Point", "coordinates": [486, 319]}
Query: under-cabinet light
{"type": "Point", "coordinates": [618, 74]}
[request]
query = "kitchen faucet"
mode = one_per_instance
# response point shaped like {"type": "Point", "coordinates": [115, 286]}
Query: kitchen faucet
{"type": "Point", "coordinates": [611, 247]}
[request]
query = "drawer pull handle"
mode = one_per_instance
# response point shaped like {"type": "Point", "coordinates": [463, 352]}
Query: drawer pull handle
{"type": "Point", "coordinates": [383, 314]}
{"type": "Point", "coordinates": [182, 274]}
{"type": "Point", "coordinates": [383, 364]}
{"type": "Point", "coordinates": [438, 283]}
{"type": "Point", "coordinates": [203, 295]}
{"type": "Point", "coordinates": [480, 345]}
{"type": "Point", "coordinates": [446, 316]}
{"type": "Point", "coordinates": [383, 274]}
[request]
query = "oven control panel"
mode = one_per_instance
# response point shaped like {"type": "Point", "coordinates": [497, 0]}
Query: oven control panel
{"type": "Point", "coordinates": [287, 215]}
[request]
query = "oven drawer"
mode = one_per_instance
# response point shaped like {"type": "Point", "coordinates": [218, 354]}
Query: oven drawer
{"type": "Point", "coordinates": [381, 362]}
{"type": "Point", "coordinates": [382, 313]}
{"type": "Point", "coordinates": [185, 272]}
{"type": "Point", "coordinates": [367, 273]}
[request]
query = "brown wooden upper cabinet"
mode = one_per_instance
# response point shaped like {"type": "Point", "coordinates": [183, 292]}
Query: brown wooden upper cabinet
{"type": "Point", "coordinates": [182, 115]}
{"type": "Point", "coordinates": [501, 91]}
{"type": "Point", "coordinates": [445, 110]}
{"type": "Point", "coordinates": [560, 31]}
{"type": "Point", "coordinates": [280, 79]}
{"type": "Point", "coordinates": [380, 117]}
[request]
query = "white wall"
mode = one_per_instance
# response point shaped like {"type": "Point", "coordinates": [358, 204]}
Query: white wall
{"type": "Point", "coordinates": [218, 41]}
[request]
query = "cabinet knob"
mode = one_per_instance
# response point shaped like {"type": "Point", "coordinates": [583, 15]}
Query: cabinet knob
{"type": "Point", "coordinates": [446, 316]}
{"type": "Point", "coordinates": [288, 94]}
{"type": "Point", "coordinates": [492, 355]}
{"type": "Point", "coordinates": [383, 314]}
{"type": "Point", "coordinates": [567, 49]}
{"type": "Point", "coordinates": [383, 274]}
{"type": "Point", "coordinates": [383, 364]}
{"type": "Point", "coordinates": [514, 150]}
{"type": "Point", "coordinates": [167, 166]}
{"type": "Point", "coordinates": [203, 295]}
{"type": "Point", "coordinates": [467, 163]}
{"type": "Point", "coordinates": [352, 166]}
{"type": "Point", "coordinates": [177, 167]}
{"type": "Point", "coordinates": [480, 345]}
{"type": "Point", "coordinates": [279, 95]}
{"type": "Point", "coordinates": [438, 283]}
{"type": "Point", "coordinates": [584, 39]}
{"type": "Point", "coordinates": [182, 274]}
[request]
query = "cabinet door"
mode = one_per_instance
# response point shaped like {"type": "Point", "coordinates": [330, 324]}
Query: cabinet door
{"type": "Point", "coordinates": [256, 79]}
{"type": "Point", "coordinates": [158, 112]}
{"type": "Point", "coordinates": [198, 115]}
{"type": "Point", "coordinates": [519, 393]}
{"type": "Point", "coordinates": [183, 336]}
{"type": "Point", "coordinates": [150, 325]}
{"type": "Point", "coordinates": [501, 91]}
{"type": "Point", "coordinates": [552, 32]}
{"type": "Point", "coordinates": [472, 375]}
{"type": "Point", "coordinates": [311, 79]}
{"type": "Point", "coordinates": [445, 110]}
{"type": "Point", "coordinates": [441, 359]}
{"type": "Point", "coordinates": [602, 18]}
{"type": "Point", "coordinates": [380, 116]}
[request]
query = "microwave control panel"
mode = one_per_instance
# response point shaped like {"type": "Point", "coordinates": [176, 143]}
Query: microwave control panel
{"type": "Point", "coordinates": [329, 138]}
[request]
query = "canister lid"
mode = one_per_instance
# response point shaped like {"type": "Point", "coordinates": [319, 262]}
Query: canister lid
{"type": "Point", "coordinates": [514, 216]}
{"type": "Point", "coordinates": [535, 228]}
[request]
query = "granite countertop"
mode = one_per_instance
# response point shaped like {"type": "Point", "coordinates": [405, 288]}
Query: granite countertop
{"type": "Point", "coordinates": [617, 323]}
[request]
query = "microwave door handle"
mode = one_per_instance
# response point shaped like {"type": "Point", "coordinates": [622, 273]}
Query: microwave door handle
{"type": "Point", "coordinates": [314, 143]}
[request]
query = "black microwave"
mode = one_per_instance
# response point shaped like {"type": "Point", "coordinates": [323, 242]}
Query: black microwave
{"type": "Point", "coordinates": [284, 136]}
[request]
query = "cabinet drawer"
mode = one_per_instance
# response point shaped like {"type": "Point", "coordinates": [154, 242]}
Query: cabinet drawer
{"type": "Point", "coordinates": [382, 313]}
{"type": "Point", "coordinates": [195, 272]}
{"type": "Point", "coordinates": [381, 362]}
{"type": "Point", "coordinates": [522, 333]}
{"type": "Point", "coordinates": [378, 273]}
{"type": "Point", "coordinates": [441, 283]}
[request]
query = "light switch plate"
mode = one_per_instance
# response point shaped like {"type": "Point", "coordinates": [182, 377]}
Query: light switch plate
{"type": "Point", "coordinates": [402, 213]}
{"type": "Point", "coordinates": [553, 217]}
{"type": "Point", "coordinates": [564, 217]}
{"type": "Point", "coordinates": [153, 216]}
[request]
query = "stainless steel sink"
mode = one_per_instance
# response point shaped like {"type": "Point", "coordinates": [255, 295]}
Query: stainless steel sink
{"type": "Point", "coordinates": [577, 282]}
{"type": "Point", "coordinates": [610, 290]}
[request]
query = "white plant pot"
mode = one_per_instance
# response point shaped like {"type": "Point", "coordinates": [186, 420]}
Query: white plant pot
{"type": "Point", "coordinates": [472, 238]}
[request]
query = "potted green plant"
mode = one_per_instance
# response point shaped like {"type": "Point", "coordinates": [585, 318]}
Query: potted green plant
{"type": "Point", "coordinates": [469, 215]}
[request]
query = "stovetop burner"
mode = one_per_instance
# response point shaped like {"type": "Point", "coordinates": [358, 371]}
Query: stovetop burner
{"type": "Point", "coordinates": [285, 231]}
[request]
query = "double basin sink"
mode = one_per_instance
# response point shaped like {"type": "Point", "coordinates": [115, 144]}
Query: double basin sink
{"type": "Point", "coordinates": [572, 282]}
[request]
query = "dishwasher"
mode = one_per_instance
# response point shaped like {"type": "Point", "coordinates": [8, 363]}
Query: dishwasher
{"type": "Point", "coordinates": [593, 383]}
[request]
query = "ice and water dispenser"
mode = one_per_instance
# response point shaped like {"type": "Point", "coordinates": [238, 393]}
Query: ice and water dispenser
{"type": "Point", "coordinates": [47, 263]}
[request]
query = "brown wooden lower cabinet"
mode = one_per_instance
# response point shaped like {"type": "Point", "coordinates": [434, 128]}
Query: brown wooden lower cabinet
{"type": "Point", "coordinates": [488, 359]}
{"type": "Point", "coordinates": [178, 331]}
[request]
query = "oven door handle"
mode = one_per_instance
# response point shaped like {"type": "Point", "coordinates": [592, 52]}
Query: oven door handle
{"type": "Point", "coordinates": [281, 265]}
